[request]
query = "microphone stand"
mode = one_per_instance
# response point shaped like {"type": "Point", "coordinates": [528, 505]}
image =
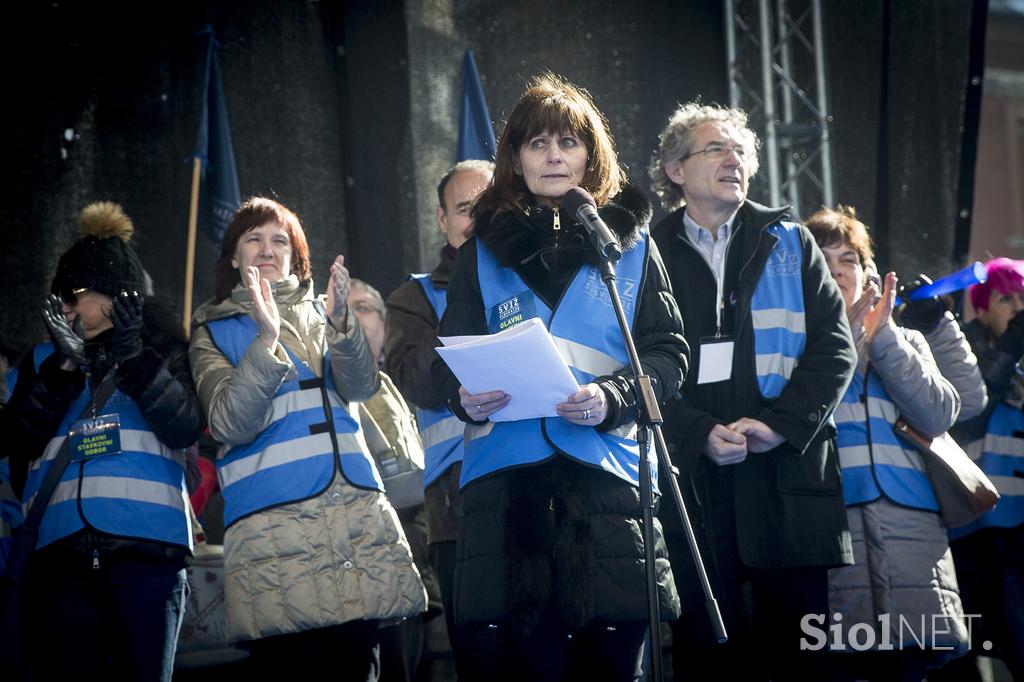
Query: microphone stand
{"type": "Point", "coordinates": [649, 417]}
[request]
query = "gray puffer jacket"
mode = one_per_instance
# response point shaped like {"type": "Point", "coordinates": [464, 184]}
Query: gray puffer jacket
{"type": "Point", "coordinates": [903, 582]}
{"type": "Point", "coordinates": [331, 559]}
{"type": "Point", "coordinates": [958, 364]}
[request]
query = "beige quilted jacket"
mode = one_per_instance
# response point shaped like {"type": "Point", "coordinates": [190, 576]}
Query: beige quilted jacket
{"type": "Point", "coordinates": [338, 557]}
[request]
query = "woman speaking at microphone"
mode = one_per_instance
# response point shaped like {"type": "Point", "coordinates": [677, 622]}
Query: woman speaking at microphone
{"type": "Point", "coordinates": [550, 579]}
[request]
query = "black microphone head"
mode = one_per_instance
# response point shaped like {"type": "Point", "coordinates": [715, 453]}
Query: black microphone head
{"type": "Point", "coordinates": [576, 198]}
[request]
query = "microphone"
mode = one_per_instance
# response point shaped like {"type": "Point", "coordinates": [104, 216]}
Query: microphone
{"type": "Point", "coordinates": [578, 202]}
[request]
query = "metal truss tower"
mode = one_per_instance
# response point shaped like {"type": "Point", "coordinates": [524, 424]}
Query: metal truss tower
{"type": "Point", "coordinates": [776, 56]}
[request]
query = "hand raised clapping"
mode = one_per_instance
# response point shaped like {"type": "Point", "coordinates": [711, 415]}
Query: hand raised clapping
{"type": "Point", "coordinates": [338, 289]}
{"type": "Point", "coordinates": [264, 308]}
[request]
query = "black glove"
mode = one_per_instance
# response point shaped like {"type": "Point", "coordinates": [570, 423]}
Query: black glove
{"type": "Point", "coordinates": [69, 342]}
{"type": "Point", "coordinates": [921, 315]}
{"type": "Point", "coordinates": [126, 315]}
{"type": "Point", "coordinates": [1012, 340]}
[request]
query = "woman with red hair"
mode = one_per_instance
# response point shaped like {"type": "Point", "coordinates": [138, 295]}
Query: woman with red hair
{"type": "Point", "coordinates": [314, 555]}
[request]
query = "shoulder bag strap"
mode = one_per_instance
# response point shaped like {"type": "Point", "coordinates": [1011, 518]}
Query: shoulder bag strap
{"type": "Point", "coordinates": [63, 458]}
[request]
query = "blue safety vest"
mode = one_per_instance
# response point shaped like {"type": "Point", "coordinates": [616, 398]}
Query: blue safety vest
{"type": "Point", "coordinates": [10, 512]}
{"type": "Point", "coordinates": [440, 430]}
{"type": "Point", "coordinates": [777, 311]}
{"type": "Point", "coordinates": [294, 458]}
{"type": "Point", "coordinates": [882, 466]}
{"type": "Point", "coordinates": [1000, 454]}
{"type": "Point", "coordinates": [585, 330]}
{"type": "Point", "coordinates": [138, 493]}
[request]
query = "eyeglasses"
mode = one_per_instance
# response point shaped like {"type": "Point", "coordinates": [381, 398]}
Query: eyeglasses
{"type": "Point", "coordinates": [366, 307]}
{"type": "Point", "coordinates": [70, 296]}
{"type": "Point", "coordinates": [717, 152]}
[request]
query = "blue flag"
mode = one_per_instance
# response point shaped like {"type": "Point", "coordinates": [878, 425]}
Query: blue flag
{"type": "Point", "coordinates": [476, 134]}
{"type": "Point", "coordinates": [219, 195]}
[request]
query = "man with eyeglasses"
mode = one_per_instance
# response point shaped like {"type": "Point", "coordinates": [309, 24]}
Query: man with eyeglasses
{"type": "Point", "coordinates": [751, 431]}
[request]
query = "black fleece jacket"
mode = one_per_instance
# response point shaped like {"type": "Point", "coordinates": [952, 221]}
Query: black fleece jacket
{"type": "Point", "coordinates": [789, 509]}
{"type": "Point", "coordinates": [527, 243]}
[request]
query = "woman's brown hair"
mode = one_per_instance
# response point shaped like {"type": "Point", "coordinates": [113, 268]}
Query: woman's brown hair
{"type": "Point", "coordinates": [250, 215]}
{"type": "Point", "coordinates": [840, 227]}
{"type": "Point", "coordinates": [551, 104]}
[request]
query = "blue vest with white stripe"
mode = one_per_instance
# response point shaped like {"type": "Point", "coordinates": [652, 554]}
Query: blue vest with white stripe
{"type": "Point", "coordinates": [138, 493]}
{"type": "Point", "coordinates": [1001, 456]}
{"type": "Point", "coordinates": [586, 333]}
{"type": "Point", "coordinates": [440, 430]}
{"type": "Point", "coordinates": [885, 466]}
{"type": "Point", "coordinates": [10, 512]}
{"type": "Point", "coordinates": [777, 311]}
{"type": "Point", "coordinates": [294, 458]}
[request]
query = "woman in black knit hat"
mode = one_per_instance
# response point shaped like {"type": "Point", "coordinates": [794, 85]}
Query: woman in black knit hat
{"type": "Point", "coordinates": [107, 583]}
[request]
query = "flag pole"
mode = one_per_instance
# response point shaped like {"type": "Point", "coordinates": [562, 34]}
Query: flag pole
{"type": "Point", "coordinates": [190, 258]}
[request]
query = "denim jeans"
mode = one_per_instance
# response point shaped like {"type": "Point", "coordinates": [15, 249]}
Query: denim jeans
{"type": "Point", "coordinates": [105, 616]}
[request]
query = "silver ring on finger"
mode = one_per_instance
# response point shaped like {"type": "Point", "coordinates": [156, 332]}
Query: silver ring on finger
{"type": "Point", "coordinates": [479, 408]}
{"type": "Point", "coordinates": [586, 415]}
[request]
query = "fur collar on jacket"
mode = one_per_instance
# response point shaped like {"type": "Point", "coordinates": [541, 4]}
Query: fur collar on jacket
{"type": "Point", "coordinates": [514, 237]}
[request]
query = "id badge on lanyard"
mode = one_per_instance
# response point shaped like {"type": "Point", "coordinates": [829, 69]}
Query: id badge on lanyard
{"type": "Point", "coordinates": [715, 359]}
{"type": "Point", "coordinates": [97, 436]}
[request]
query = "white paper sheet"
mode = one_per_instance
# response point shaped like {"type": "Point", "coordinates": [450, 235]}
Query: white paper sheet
{"type": "Point", "coordinates": [521, 361]}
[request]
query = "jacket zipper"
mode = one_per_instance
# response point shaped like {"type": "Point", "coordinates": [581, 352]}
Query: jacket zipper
{"type": "Point", "coordinates": [556, 225]}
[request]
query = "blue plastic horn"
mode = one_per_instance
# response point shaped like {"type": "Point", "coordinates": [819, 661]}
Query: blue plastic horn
{"type": "Point", "coordinates": [975, 273]}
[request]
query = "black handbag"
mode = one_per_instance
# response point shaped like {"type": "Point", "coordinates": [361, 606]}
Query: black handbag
{"type": "Point", "coordinates": [23, 544]}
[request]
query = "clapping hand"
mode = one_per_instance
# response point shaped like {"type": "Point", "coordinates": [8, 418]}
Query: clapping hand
{"type": "Point", "coordinates": [338, 289]}
{"type": "Point", "coordinates": [880, 313]}
{"type": "Point", "coordinates": [126, 316]}
{"type": "Point", "coordinates": [264, 308]}
{"type": "Point", "coordinates": [69, 342]}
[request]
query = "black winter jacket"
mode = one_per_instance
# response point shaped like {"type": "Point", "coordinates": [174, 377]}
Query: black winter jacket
{"type": "Point", "coordinates": [788, 502]}
{"type": "Point", "coordinates": [158, 380]}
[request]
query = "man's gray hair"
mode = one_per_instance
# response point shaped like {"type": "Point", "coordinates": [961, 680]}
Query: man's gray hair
{"type": "Point", "coordinates": [378, 300]}
{"type": "Point", "coordinates": [676, 141]}
{"type": "Point", "coordinates": [478, 165]}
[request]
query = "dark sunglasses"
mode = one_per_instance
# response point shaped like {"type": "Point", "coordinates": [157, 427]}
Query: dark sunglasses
{"type": "Point", "coordinates": [70, 296]}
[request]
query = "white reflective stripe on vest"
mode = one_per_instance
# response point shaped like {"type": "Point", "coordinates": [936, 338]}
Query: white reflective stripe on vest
{"type": "Point", "coordinates": [880, 408]}
{"type": "Point", "coordinates": [975, 449]}
{"type": "Point", "coordinates": [1008, 485]}
{"type": "Point", "coordinates": [474, 431]}
{"type": "Point", "coordinates": [627, 430]}
{"type": "Point", "coordinates": [860, 455]}
{"type": "Point", "coordinates": [775, 363]}
{"type": "Point", "coordinates": [120, 488]}
{"type": "Point", "coordinates": [773, 318]}
{"type": "Point", "coordinates": [295, 401]}
{"type": "Point", "coordinates": [287, 452]}
{"type": "Point", "coordinates": [1003, 445]}
{"type": "Point", "coordinates": [585, 358]}
{"type": "Point", "coordinates": [132, 440]}
{"type": "Point", "coordinates": [444, 430]}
